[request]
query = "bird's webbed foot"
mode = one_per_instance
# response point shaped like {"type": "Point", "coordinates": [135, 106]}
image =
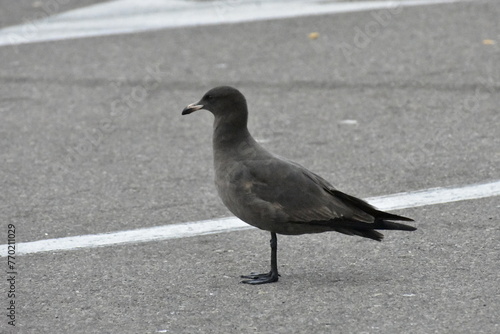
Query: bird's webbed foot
{"type": "Point", "coordinates": [255, 278]}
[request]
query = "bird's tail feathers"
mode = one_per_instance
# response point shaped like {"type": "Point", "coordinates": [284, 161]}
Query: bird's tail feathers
{"type": "Point", "coordinates": [367, 230]}
{"type": "Point", "coordinates": [365, 233]}
{"type": "Point", "coordinates": [387, 225]}
{"type": "Point", "coordinates": [368, 208]}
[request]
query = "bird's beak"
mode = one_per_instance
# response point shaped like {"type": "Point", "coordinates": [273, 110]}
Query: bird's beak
{"type": "Point", "coordinates": [192, 108]}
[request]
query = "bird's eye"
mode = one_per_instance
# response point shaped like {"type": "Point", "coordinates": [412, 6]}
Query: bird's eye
{"type": "Point", "coordinates": [208, 97]}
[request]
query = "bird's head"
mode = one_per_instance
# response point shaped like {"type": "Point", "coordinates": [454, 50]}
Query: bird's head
{"type": "Point", "coordinates": [223, 101]}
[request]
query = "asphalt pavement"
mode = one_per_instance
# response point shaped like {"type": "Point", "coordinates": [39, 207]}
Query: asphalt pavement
{"type": "Point", "coordinates": [92, 141]}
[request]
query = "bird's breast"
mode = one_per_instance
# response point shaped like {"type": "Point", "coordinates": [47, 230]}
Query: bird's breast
{"type": "Point", "coordinates": [234, 186]}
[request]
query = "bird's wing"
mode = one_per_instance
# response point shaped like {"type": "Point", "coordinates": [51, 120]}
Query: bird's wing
{"type": "Point", "coordinates": [300, 195]}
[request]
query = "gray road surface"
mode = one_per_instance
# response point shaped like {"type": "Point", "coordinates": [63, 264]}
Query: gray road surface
{"type": "Point", "coordinates": [92, 141]}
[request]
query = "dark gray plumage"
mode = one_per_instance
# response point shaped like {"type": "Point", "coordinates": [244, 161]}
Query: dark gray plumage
{"type": "Point", "coordinates": [276, 194]}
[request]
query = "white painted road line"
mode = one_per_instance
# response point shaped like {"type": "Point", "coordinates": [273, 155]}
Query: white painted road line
{"type": "Point", "coordinates": [129, 16]}
{"type": "Point", "coordinates": [435, 196]}
{"type": "Point", "coordinates": [175, 231]}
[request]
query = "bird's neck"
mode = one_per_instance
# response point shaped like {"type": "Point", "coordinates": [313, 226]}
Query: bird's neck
{"type": "Point", "coordinates": [230, 130]}
{"type": "Point", "coordinates": [227, 135]}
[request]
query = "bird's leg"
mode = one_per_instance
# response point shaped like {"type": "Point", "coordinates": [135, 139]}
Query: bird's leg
{"type": "Point", "coordinates": [271, 276]}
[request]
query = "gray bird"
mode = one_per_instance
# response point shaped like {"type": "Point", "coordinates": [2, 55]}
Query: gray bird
{"type": "Point", "coordinates": [274, 193]}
